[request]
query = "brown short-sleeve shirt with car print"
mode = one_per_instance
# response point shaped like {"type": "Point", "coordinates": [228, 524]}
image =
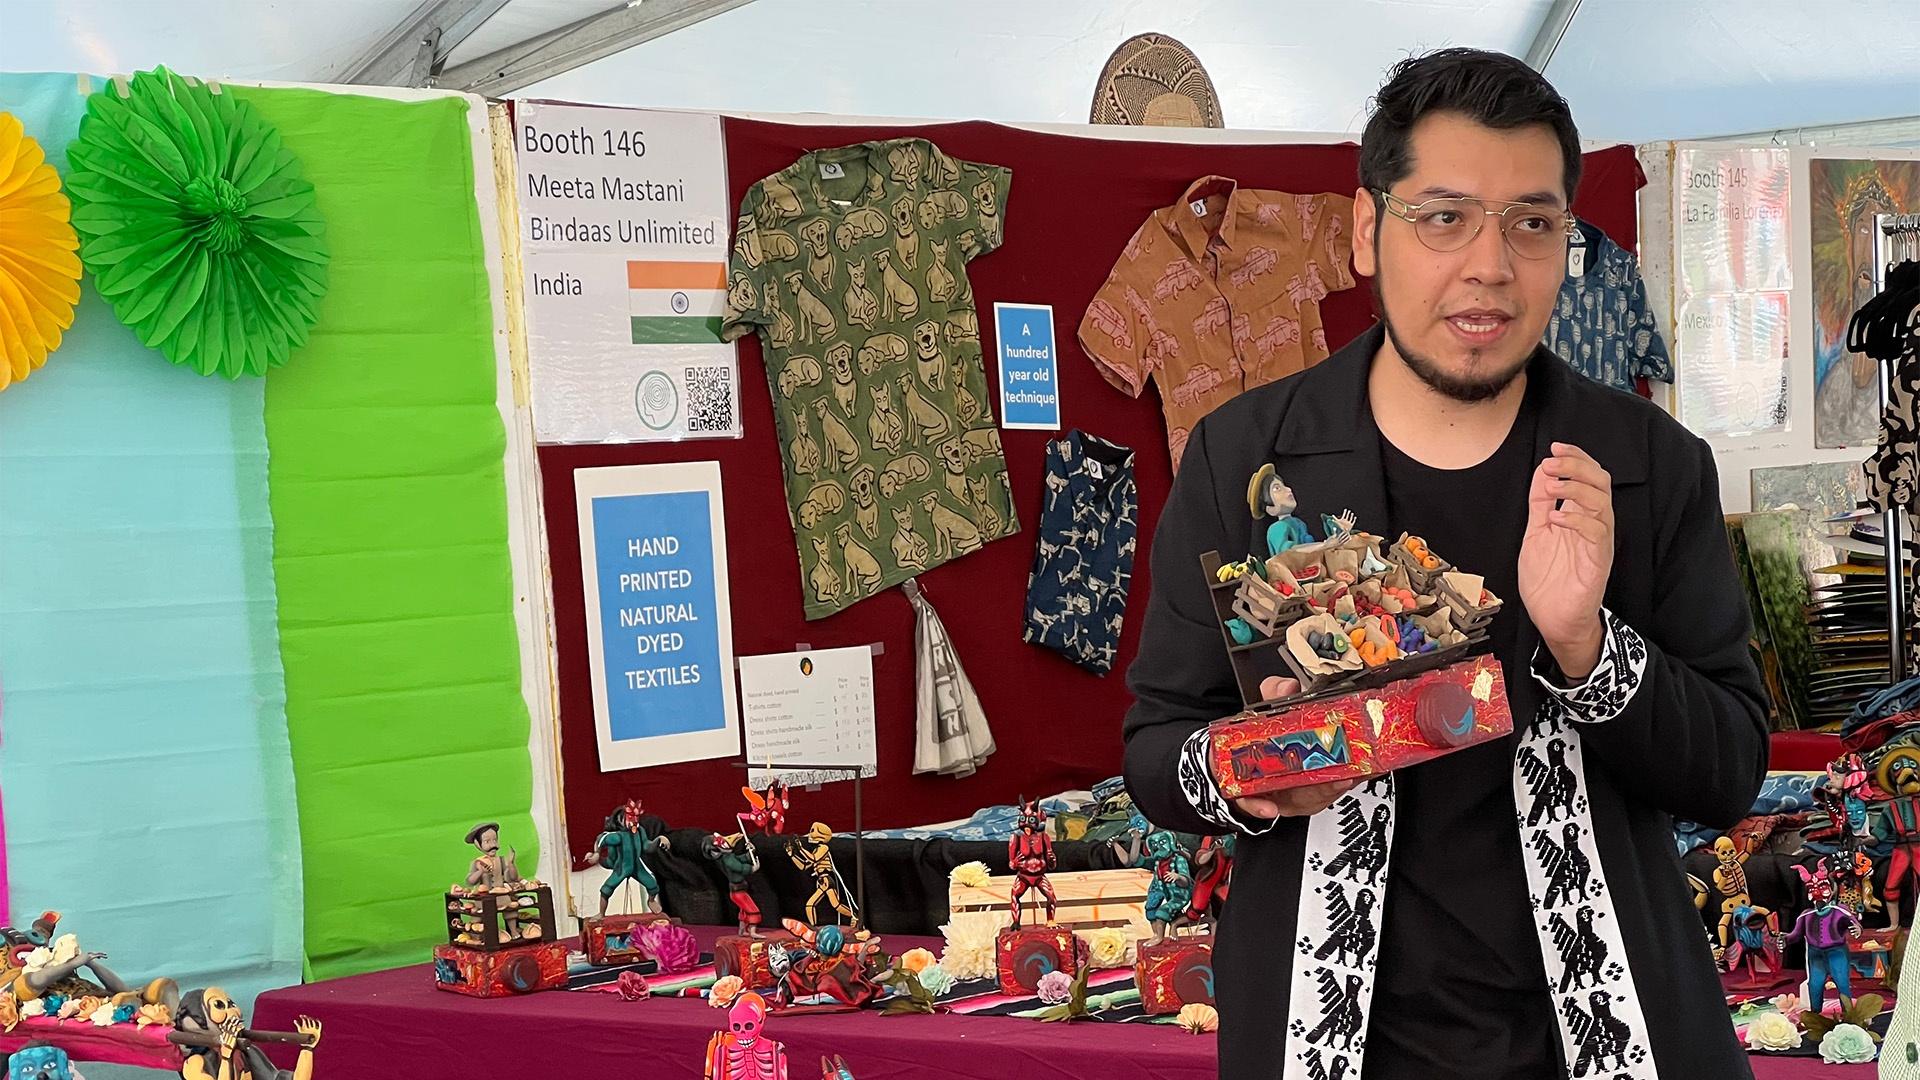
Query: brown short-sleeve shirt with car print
{"type": "Point", "coordinates": [1217, 294]}
{"type": "Point", "coordinates": [852, 265]}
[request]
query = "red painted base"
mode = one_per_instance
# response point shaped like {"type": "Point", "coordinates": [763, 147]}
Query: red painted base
{"type": "Point", "coordinates": [746, 957]}
{"type": "Point", "coordinates": [1026, 954]}
{"type": "Point", "coordinates": [609, 939]}
{"type": "Point", "coordinates": [1176, 972]}
{"type": "Point", "coordinates": [501, 972]}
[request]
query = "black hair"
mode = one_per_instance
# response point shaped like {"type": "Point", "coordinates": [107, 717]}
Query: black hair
{"type": "Point", "coordinates": [1491, 89]}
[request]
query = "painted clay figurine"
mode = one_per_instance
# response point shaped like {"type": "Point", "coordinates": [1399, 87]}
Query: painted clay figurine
{"type": "Point", "coordinates": [41, 1061]}
{"type": "Point", "coordinates": [738, 862]}
{"type": "Point", "coordinates": [1737, 910]}
{"type": "Point", "coordinates": [1825, 928]}
{"type": "Point", "coordinates": [622, 850]}
{"type": "Point", "coordinates": [490, 869]}
{"type": "Point", "coordinates": [743, 1051]}
{"type": "Point", "coordinates": [767, 810]}
{"type": "Point", "coordinates": [216, 1045]}
{"type": "Point", "coordinates": [54, 968]}
{"type": "Point", "coordinates": [1030, 854]}
{"type": "Point", "coordinates": [1212, 875]}
{"type": "Point", "coordinates": [1903, 818]}
{"type": "Point", "coordinates": [813, 855]}
{"type": "Point", "coordinates": [1268, 496]}
{"type": "Point", "coordinates": [1172, 888]}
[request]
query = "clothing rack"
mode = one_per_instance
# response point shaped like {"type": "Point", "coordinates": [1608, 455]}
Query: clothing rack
{"type": "Point", "coordinates": [1894, 233]}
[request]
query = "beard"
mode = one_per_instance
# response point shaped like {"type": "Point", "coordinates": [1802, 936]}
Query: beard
{"type": "Point", "coordinates": [1467, 390]}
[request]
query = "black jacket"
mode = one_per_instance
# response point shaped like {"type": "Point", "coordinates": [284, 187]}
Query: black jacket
{"type": "Point", "coordinates": [1691, 743]}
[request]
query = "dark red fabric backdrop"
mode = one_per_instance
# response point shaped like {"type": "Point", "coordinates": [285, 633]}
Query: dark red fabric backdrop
{"type": "Point", "coordinates": [1074, 204]}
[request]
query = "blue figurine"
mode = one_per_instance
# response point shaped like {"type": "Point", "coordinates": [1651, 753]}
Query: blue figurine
{"type": "Point", "coordinates": [1269, 496]}
{"type": "Point", "coordinates": [1172, 888]}
{"type": "Point", "coordinates": [41, 1061]}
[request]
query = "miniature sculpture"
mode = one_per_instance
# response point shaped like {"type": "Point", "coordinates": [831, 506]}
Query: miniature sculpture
{"type": "Point", "coordinates": [1269, 496]}
{"type": "Point", "coordinates": [491, 869]}
{"type": "Point", "coordinates": [1212, 875]}
{"type": "Point", "coordinates": [40, 961]}
{"type": "Point", "coordinates": [213, 1035]}
{"type": "Point", "coordinates": [813, 855]}
{"type": "Point", "coordinates": [1172, 888]}
{"type": "Point", "coordinates": [622, 850]}
{"type": "Point", "coordinates": [1825, 929]}
{"type": "Point", "coordinates": [1030, 854]}
{"type": "Point", "coordinates": [738, 862]}
{"type": "Point", "coordinates": [1903, 816]}
{"type": "Point", "coordinates": [1737, 910]}
{"type": "Point", "coordinates": [766, 810]}
{"type": "Point", "coordinates": [41, 1061]}
{"type": "Point", "coordinates": [743, 1051]}
{"type": "Point", "coordinates": [830, 967]}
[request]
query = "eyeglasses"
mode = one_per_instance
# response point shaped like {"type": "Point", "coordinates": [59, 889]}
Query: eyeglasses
{"type": "Point", "coordinates": [1449, 224]}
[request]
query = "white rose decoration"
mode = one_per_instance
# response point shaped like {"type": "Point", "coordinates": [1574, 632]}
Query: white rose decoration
{"type": "Point", "coordinates": [1772, 1031]}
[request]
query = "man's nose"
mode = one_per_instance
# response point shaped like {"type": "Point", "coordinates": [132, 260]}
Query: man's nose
{"type": "Point", "coordinates": [1489, 258]}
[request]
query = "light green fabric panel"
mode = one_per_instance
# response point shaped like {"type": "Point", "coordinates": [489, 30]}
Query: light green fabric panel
{"type": "Point", "coordinates": [390, 534]}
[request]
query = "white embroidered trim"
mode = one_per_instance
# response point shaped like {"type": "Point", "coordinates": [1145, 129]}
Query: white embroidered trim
{"type": "Point", "coordinates": [1605, 692]}
{"type": "Point", "coordinates": [1197, 784]}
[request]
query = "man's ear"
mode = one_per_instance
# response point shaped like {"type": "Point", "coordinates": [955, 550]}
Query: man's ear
{"type": "Point", "coordinates": [1366, 219]}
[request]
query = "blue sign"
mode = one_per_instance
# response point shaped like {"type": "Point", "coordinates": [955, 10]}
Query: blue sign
{"type": "Point", "coordinates": [1029, 370]}
{"type": "Point", "coordinates": [660, 625]}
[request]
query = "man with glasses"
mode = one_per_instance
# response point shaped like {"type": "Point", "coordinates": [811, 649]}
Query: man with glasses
{"type": "Point", "coordinates": [1531, 920]}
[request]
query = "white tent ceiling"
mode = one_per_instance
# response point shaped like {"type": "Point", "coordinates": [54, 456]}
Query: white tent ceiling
{"type": "Point", "coordinates": [1635, 70]}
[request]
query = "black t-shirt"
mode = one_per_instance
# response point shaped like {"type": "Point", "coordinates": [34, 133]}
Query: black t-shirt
{"type": "Point", "coordinates": [1458, 992]}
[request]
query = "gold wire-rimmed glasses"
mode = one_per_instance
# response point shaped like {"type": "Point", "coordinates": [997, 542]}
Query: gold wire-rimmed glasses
{"type": "Point", "coordinates": [1450, 223]}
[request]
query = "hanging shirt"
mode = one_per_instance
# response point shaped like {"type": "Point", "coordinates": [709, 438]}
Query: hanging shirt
{"type": "Point", "coordinates": [852, 265]}
{"type": "Point", "coordinates": [1218, 293]}
{"type": "Point", "coordinates": [1601, 323]}
{"type": "Point", "coordinates": [1077, 590]}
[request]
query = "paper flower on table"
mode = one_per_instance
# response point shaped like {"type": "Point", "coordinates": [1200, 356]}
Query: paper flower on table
{"type": "Point", "coordinates": [1055, 987]}
{"type": "Point", "coordinates": [1198, 1019]}
{"type": "Point", "coordinates": [155, 1015]}
{"type": "Point", "coordinates": [725, 989]}
{"type": "Point", "coordinates": [632, 986]}
{"type": "Point", "coordinates": [9, 1012]}
{"type": "Point", "coordinates": [36, 1007]}
{"type": "Point", "coordinates": [935, 980]}
{"type": "Point", "coordinates": [969, 951]}
{"type": "Point", "coordinates": [969, 875]}
{"type": "Point", "coordinates": [39, 270]}
{"type": "Point", "coordinates": [1772, 1031]}
{"type": "Point", "coordinates": [1789, 1005]}
{"type": "Point", "coordinates": [1847, 1044]}
{"type": "Point", "coordinates": [916, 960]}
{"type": "Point", "coordinates": [1108, 946]}
{"type": "Point", "coordinates": [671, 947]}
{"type": "Point", "coordinates": [197, 225]}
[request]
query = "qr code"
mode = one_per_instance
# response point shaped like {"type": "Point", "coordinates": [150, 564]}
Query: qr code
{"type": "Point", "coordinates": [709, 399]}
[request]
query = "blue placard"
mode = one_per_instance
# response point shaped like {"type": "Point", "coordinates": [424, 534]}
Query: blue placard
{"type": "Point", "coordinates": [659, 622]}
{"type": "Point", "coordinates": [1029, 370]}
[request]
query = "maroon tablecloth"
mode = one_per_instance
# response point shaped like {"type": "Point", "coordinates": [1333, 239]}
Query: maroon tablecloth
{"type": "Point", "coordinates": [395, 1024]}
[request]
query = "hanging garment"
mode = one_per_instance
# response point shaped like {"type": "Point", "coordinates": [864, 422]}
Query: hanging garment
{"type": "Point", "coordinates": [1887, 329]}
{"type": "Point", "coordinates": [1077, 590]}
{"type": "Point", "coordinates": [950, 734]}
{"type": "Point", "coordinates": [851, 264]}
{"type": "Point", "coordinates": [1601, 323]}
{"type": "Point", "coordinates": [1219, 293]}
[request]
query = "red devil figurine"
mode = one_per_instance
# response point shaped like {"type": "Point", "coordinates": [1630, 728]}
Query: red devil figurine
{"type": "Point", "coordinates": [1030, 854]}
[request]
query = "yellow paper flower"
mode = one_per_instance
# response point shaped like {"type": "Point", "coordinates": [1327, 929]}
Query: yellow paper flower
{"type": "Point", "coordinates": [916, 960]}
{"type": "Point", "coordinates": [9, 1012]}
{"type": "Point", "coordinates": [153, 1014]}
{"type": "Point", "coordinates": [969, 951]}
{"type": "Point", "coordinates": [39, 264]}
{"type": "Point", "coordinates": [1108, 946]}
{"type": "Point", "coordinates": [1198, 1019]}
{"type": "Point", "coordinates": [1772, 1031]}
{"type": "Point", "coordinates": [970, 875]}
{"type": "Point", "coordinates": [725, 989]}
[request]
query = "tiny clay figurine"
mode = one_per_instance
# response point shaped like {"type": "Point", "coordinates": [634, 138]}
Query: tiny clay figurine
{"type": "Point", "coordinates": [766, 810]}
{"type": "Point", "coordinates": [41, 1061]}
{"type": "Point", "coordinates": [830, 966]}
{"type": "Point", "coordinates": [1212, 874]}
{"type": "Point", "coordinates": [1843, 797]}
{"type": "Point", "coordinates": [813, 855]}
{"type": "Point", "coordinates": [835, 1069]}
{"type": "Point", "coordinates": [54, 968]}
{"type": "Point", "coordinates": [1171, 890]}
{"type": "Point", "coordinates": [738, 861]}
{"type": "Point", "coordinates": [216, 1045]}
{"type": "Point", "coordinates": [1903, 817]}
{"type": "Point", "coordinates": [1825, 928]}
{"type": "Point", "coordinates": [1268, 496]}
{"type": "Point", "coordinates": [491, 870]}
{"type": "Point", "coordinates": [743, 1051]}
{"type": "Point", "coordinates": [622, 850]}
{"type": "Point", "coordinates": [1030, 854]}
{"type": "Point", "coordinates": [1738, 909]}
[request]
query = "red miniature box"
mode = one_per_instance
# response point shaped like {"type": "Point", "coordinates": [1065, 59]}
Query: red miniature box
{"type": "Point", "coordinates": [1363, 733]}
{"type": "Point", "coordinates": [610, 939]}
{"type": "Point", "coordinates": [1175, 972]}
{"type": "Point", "coordinates": [1026, 954]}
{"type": "Point", "coordinates": [746, 957]}
{"type": "Point", "coordinates": [500, 972]}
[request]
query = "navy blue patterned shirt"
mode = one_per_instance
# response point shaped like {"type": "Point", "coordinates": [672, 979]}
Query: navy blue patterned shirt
{"type": "Point", "coordinates": [1601, 323]}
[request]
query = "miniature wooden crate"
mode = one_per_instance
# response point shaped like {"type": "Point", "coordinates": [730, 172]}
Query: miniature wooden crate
{"type": "Point", "coordinates": [1469, 615]}
{"type": "Point", "coordinates": [1421, 578]}
{"type": "Point", "coordinates": [737, 954]}
{"type": "Point", "coordinates": [495, 973]}
{"type": "Point", "coordinates": [1023, 956]}
{"type": "Point", "coordinates": [1086, 900]}
{"type": "Point", "coordinates": [611, 939]}
{"type": "Point", "coordinates": [481, 920]}
{"type": "Point", "coordinates": [1173, 973]}
{"type": "Point", "coordinates": [1262, 606]}
{"type": "Point", "coordinates": [1362, 733]}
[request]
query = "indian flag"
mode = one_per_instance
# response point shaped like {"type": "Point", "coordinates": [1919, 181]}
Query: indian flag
{"type": "Point", "coordinates": [676, 303]}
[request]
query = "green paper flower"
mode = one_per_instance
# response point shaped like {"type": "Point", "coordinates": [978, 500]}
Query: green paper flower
{"type": "Point", "coordinates": [1848, 1044]}
{"type": "Point", "coordinates": [196, 224]}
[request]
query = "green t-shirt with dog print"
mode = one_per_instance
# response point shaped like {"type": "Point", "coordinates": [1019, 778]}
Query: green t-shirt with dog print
{"type": "Point", "coordinates": [852, 265]}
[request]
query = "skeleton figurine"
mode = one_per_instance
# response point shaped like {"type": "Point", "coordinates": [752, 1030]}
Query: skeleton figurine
{"type": "Point", "coordinates": [217, 1045]}
{"type": "Point", "coordinates": [1172, 888]}
{"type": "Point", "coordinates": [1030, 854]}
{"type": "Point", "coordinates": [1738, 913]}
{"type": "Point", "coordinates": [743, 1051]}
{"type": "Point", "coordinates": [1268, 496]}
{"type": "Point", "coordinates": [622, 850]}
{"type": "Point", "coordinates": [813, 856]}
